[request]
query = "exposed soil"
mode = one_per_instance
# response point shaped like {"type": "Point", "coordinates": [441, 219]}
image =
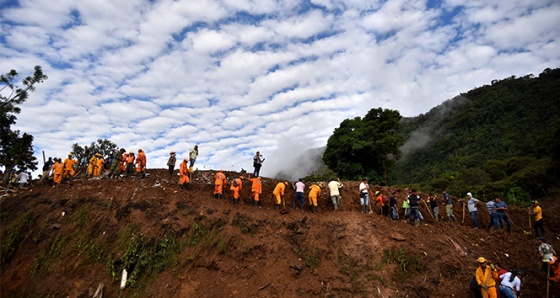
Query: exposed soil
{"type": "Point", "coordinates": [71, 238]}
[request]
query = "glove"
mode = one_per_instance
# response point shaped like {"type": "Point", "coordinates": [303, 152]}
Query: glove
{"type": "Point", "coordinates": [492, 267]}
{"type": "Point", "coordinates": [485, 287]}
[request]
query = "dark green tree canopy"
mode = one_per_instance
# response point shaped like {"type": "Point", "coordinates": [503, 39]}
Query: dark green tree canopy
{"type": "Point", "coordinates": [16, 150]}
{"type": "Point", "coordinates": [102, 146]}
{"type": "Point", "coordinates": [365, 147]}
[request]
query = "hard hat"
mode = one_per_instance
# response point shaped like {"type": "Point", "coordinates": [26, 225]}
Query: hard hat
{"type": "Point", "coordinates": [535, 202]}
{"type": "Point", "coordinates": [70, 154]}
{"type": "Point", "coordinates": [469, 194]}
{"type": "Point", "coordinates": [172, 152]}
{"type": "Point", "coordinates": [286, 183]}
{"type": "Point", "coordinates": [131, 152]}
{"type": "Point", "coordinates": [97, 154]}
{"type": "Point", "coordinates": [553, 260]}
{"type": "Point", "coordinates": [377, 192]}
{"type": "Point", "coordinates": [481, 260]}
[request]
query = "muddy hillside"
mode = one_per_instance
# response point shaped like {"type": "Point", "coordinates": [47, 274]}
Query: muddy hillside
{"type": "Point", "coordinates": [75, 240]}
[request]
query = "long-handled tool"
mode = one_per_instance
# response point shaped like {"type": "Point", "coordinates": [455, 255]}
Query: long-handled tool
{"type": "Point", "coordinates": [463, 222]}
{"type": "Point", "coordinates": [547, 280]}
{"type": "Point", "coordinates": [509, 218]}
{"type": "Point", "coordinates": [430, 211]}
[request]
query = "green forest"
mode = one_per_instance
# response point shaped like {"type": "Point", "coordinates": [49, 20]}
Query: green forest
{"type": "Point", "coordinates": [501, 139]}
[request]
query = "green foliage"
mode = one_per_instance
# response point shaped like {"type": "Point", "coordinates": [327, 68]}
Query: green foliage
{"type": "Point", "coordinates": [49, 254]}
{"type": "Point", "coordinates": [102, 146]}
{"type": "Point", "coordinates": [406, 261]}
{"type": "Point", "coordinates": [16, 150]}
{"type": "Point", "coordinates": [18, 230]}
{"type": "Point", "coordinates": [496, 138]}
{"type": "Point", "coordinates": [368, 146]}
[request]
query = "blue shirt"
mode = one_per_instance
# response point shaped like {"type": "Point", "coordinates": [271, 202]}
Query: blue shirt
{"type": "Point", "coordinates": [501, 204]}
{"type": "Point", "coordinates": [490, 206]}
{"type": "Point", "coordinates": [447, 199]}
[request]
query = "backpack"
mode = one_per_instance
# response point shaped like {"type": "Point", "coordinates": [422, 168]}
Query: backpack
{"type": "Point", "coordinates": [234, 182]}
{"type": "Point", "coordinates": [385, 200]}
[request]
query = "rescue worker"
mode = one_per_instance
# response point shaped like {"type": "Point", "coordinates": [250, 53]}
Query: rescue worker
{"type": "Point", "coordinates": [279, 192]}
{"type": "Point", "coordinates": [236, 186]}
{"type": "Point", "coordinates": [433, 203]}
{"type": "Point", "coordinates": [130, 163]}
{"type": "Point", "coordinates": [58, 169]}
{"type": "Point", "coordinates": [193, 154]}
{"type": "Point", "coordinates": [379, 200]}
{"type": "Point", "coordinates": [68, 166]}
{"type": "Point", "coordinates": [256, 189]}
{"type": "Point", "coordinates": [538, 223]}
{"type": "Point", "coordinates": [92, 165]}
{"type": "Point", "coordinates": [141, 163]}
{"type": "Point", "coordinates": [334, 189]}
{"type": "Point", "coordinates": [98, 165]}
{"type": "Point", "coordinates": [314, 194]}
{"type": "Point", "coordinates": [219, 183]}
{"type": "Point", "coordinates": [486, 275]}
{"type": "Point", "coordinates": [300, 188]}
{"type": "Point", "coordinates": [114, 170]}
{"type": "Point", "coordinates": [546, 251]}
{"type": "Point", "coordinates": [171, 162]}
{"type": "Point", "coordinates": [122, 164]}
{"type": "Point", "coordinates": [555, 271]}
{"type": "Point", "coordinates": [183, 174]}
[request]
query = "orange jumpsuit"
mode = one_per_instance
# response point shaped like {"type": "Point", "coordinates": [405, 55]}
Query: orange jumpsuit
{"type": "Point", "coordinates": [487, 277]}
{"type": "Point", "coordinates": [57, 172]}
{"type": "Point", "coordinates": [236, 189]}
{"type": "Point", "coordinates": [68, 167]}
{"type": "Point", "coordinates": [314, 193]}
{"type": "Point", "coordinates": [256, 188]}
{"type": "Point", "coordinates": [91, 166]}
{"type": "Point", "coordinates": [98, 167]}
{"type": "Point", "coordinates": [184, 173]}
{"type": "Point", "coordinates": [141, 161]}
{"type": "Point", "coordinates": [279, 192]}
{"type": "Point", "coordinates": [123, 160]}
{"type": "Point", "coordinates": [219, 182]}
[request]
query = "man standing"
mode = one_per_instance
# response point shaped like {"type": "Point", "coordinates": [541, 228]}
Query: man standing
{"type": "Point", "coordinates": [115, 164]}
{"type": "Point", "coordinates": [57, 171]}
{"type": "Point", "coordinates": [300, 188]}
{"type": "Point", "coordinates": [256, 189]}
{"type": "Point", "coordinates": [183, 174]}
{"type": "Point", "coordinates": [171, 162]}
{"type": "Point", "coordinates": [432, 202]}
{"type": "Point", "coordinates": [98, 165]}
{"type": "Point", "coordinates": [141, 163]}
{"type": "Point", "coordinates": [493, 216]}
{"type": "Point", "coordinates": [236, 186]}
{"type": "Point", "coordinates": [414, 201]}
{"type": "Point", "coordinates": [193, 154]}
{"type": "Point", "coordinates": [219, 183]}
{"type": "Point", "coordinates": [130, 159]}
{"type": "Point", "coordinates": [314, 194]}
{"type": "Point", "coordinates": [501, 207]}
{"type": "Point", "coordinates": [546, 251]}
{"type": "Point", "coordinates": [393, 205]}
{"type": "Point", "coordinates": [46, 170]}
{"type": "Point", "coordinates": [448, 206]}
{"type": "Point", "coordinates": [364, 195]}
{"type": "Point", "coordinates": [68, 166]}
{"type": "Point", "coordinates": [538, 224]}
{"type": "Point", "coordinates": [279, 192]}
{"type": "Point", "coordinates": [473, 210]}
{"type": "Point", "coordinates": [486, 276]}
{"type": "Point", "coordinates": [257, 163]}
{"type": "Point", "coordinates": [334, 189]}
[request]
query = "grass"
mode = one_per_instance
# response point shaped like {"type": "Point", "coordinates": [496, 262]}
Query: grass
{"type": "Point", "coordinates": [49, 254]}
{"type": "Point", "coordinates": [15, 234]}
{"type": "Point", "coordinates": [406, 261]}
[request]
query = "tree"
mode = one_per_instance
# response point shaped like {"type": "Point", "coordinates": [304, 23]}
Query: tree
{"type": "Point", "coordinates": [102, 146]}
{"type": "Point", "coordinates": [368, 146]}
{"type": "Point", "coordinates": [16, 150]}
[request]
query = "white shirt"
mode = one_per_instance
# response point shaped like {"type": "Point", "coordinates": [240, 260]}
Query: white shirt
{"type": "Point", "coordinates": [514, 285]}
{"type": "Point", "coordinates": [364, 187]}
{"type": "Point", "coordinates": [333, 188]}
{"type": "Point", "coordinates": [472, 204]}
{"type": "Point", "coordinates": [22, 178]}
{"type": "Point", "coordinates": [300, 186]}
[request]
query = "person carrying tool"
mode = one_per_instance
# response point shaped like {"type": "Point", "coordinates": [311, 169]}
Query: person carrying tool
{"type": "Point", "coordinates": [448, 206]}
{"type": "Point", "coordinates": [334, 190]}
{"type": "Point", "coordinates": [538, 223]}
{"type": "Point", "coordinates": [555, 271]}
{"type": "Point", "coordinates": [219, 183]}
{"type": "Point", "coordinates": [364, 195]}
{"type": "Point", "coordinates": [193, 154]}
{"type": "Point", "coordinates": [313, 196]}
{"type": "Point", "coordinates": [58, 169]}
{"type": "Point", "coordinates": [171, 162]}
{"type": "Point", "coordinates": [129, 163]}
{"type": "Point", "coordinates": [257, 163]}
{"type": "Point", "coordinates": [279, 192]}
{"type": "Point", "coordinates": [236, 186]}
{"type": "Point", "coordinates": [473, 210]}
{"type": "Point", "coordinates": [415, 201]}
{"type": "Point", "coordinates": [300, 188]}
{"type": "Point", "coordinates": [501, 207]}
{"type": "Point", "coordinates": [432, 202]}
{"type": "Point", "coordinates": [256, 190]}
{"type": "Point", "coordinates": [98, 165]}
{"type": "Point", "coordinates": [122, 163]}
{"type": "Point", "coordinates": [486, 275]}
{"type": "Point", "coordinates": [69, 166]}
{"type": "Point", "coordinates": [546, 251]}
{"type": "Point", "coordinates": [46, 169]}
{"type": "Point", "coordinates": [183, 174]}
{"type": "Point", "coordinates": [493, 216]}
{"type": "Point", "coordinates": [141, 163]}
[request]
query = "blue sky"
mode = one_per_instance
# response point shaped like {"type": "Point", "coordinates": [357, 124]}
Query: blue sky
{"type": "Point", "coordinates": [237, 76]}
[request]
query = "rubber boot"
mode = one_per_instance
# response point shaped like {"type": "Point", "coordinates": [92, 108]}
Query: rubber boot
{"type": "Point", "coordinates": [277, 206]}
{"type": "Point", "coordinates": [335, 207]}
{"type": "Point", "coordinates": [218, 196]}
{"type": "Point", "coordinates": [215, 196]}
{"type": "Point", "coordinates": [315, 209]}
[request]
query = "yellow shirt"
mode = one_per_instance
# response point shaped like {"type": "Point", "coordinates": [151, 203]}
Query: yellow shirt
{"type": "Point", "coordinates": [538, 213]}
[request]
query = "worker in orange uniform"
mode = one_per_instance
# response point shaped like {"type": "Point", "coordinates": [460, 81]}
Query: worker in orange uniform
{"type": "Point", "coordinates": [183, 174]}
{"type": "Point", "coordinates": [92, 165]}
{"type": "Point", "coordinates": [141, 163]}
{"type": "Point", "coordinates": [219, 184]}
{"type": "Point", "coordinates": [58, 169]}
{"type": "Point", "coordinates": [279, 192]}
{"type": "Point", "coordinates": [555, 271]}
{"type": "Point", "coordinates": [486, 275]}
{"type": "Point", "coordinates": [122, 163]}
{"type": "Point", "coordinates": [236, 186]}
{"type": "Point", "coordinates": [130, 158]}
{"type": "Point", "coordinates": [68, 166]}
{"type": "Point", "coordinates": [98, 165]}
{"type": "Point", "coordinates": [256, 190]}
{"type": "Point", "coordinates": [314, 194]}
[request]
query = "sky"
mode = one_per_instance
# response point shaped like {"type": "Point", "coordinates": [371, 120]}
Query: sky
{"type": "Point", "coordinates": [239, 76]}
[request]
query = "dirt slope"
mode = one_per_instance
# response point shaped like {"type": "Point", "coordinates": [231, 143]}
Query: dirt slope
{"type": "Point", "coordinates": [65, 241]}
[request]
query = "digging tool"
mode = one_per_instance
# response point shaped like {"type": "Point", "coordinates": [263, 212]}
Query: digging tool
{"type": "Point", "coordinates": [547, 280]}
{"type": "Point", "coordinates": [463, 222]}
{"type": "Point", "coordinates": [284, 202]}
{"type": "Point", "coordinates": [530, 223]}
{"type": "Point", "coordinates": [430, 211]}
{"type": "Point", "coordinates": [508, 218]}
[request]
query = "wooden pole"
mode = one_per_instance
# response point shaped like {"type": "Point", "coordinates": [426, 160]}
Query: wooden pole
{"type": "Point", "coordinates": [430, 211]}
{"type": "Point", "coordinates": [463, 222]}
{"type": "Point", "coordinates": [44, 160]}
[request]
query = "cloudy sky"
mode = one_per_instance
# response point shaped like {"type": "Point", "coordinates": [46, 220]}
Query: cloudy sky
{"type": "Point", "coordinates": [237, 76]}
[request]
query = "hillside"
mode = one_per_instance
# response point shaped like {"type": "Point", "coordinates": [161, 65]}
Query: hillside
{"type": "Point", "coordinates": [66, 241]}
{"type": "Point", "coordinates": [501, 138]}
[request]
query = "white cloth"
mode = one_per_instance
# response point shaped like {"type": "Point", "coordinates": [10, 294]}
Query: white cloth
{"type": "Point", "coordinates": [472, 204]}
{"type": "Point", "coordinates": [300, 186]}
{"type": "Point", "coordinates": [514, 285]}
{"type": "Point", "coordinates": [333, 188]}
{"type": "Point", "coordinates": [364, 187]}
{"type": "Point", "coordinates": [23, 178]}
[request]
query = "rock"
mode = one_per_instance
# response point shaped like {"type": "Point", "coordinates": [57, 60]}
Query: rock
{"type": "Point", "coordinates": [56, 226]}
{"type": "Point", "coordinates": [397, 237]}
